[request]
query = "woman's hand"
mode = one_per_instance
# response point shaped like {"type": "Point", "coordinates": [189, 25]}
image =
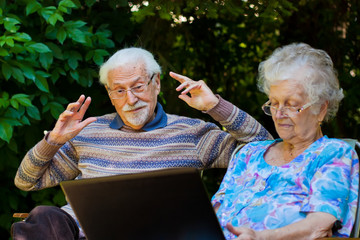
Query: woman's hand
{"type": "Point", "coordinates": [201, 97]}
{"type": "Point", "coordinates": [316, 225]}
{"type": "Point", "coordinates": [70, 122]}
{"type": "Point", "coordinates": [242, 233]}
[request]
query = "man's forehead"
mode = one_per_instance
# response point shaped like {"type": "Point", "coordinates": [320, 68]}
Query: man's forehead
{"type": "Point", "coordinates": [128, 72]}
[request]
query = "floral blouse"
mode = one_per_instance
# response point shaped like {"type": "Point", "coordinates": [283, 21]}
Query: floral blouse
{"type": "Point", "coordinates": [324, 178]}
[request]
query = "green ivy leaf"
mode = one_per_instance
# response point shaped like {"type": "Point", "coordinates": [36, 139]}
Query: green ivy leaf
{"type": "Point", "coordinates": [43, 74]}
{"type": "Point", "coordinates": [9, 41]}
{"type": "Point", "coordinates": [4, 52]}
{"type": "Point", "coordinates": [2, 41]}
{"type": "Point", "coordinates": [22, 37]}
{"type": "Point", "coordinates": [47, 12]}
{"type": "Point", "coordinates": [74, 24]}
{"type": "Point", "coordinates": [73, 63]}
{"type": "Point", "coordinates": [28, 71]}
{"type": "Point", "coordinates": [54, 18]}
{"type": "Point", "coordinates": [11, 115]}
{"type": "Point", "coordinates": [4, 103]}
{"type": "Point", "coordinates": [10, 24]}
{"type": "Point", "coordinates": [46, 59]}
{"type": "Point", "coordinates": [61, 35]}
{"type": "Point", "coordinates": [103, 34]}
{"type": "Point", "coordinates": [43, 99]}
{"type": "Point", "coordinates": [76, 35]}
{"type": "Point", "coordinates": [67, 4]}
{"type": "Point", "coordinates": [41, 83]}
{"type": "Point", "coordinates": [38, 47]}
{"type": "Point", "coordinates": [24, 120]}
{"type": "Point", "coordinates": [22, 99]}
{"type": "Point", "coordinates": [84, 81]}
{"type": "Point", "coordinates": [56, 109]}
{"type": "Point", "coordinates": [89, 55]}
{"type": "Point", "coordinates": [5, 95]}
{"type": "Point", "coordinates": [6, 131]}
{"type": "Point", "coordinates": [89, 3]}
{"type": "Point", "coordinates": [14, 104]}
{"type": "Point", "coordinates": [18, 49]}
{"type": "Point", "coordinates": [55, 76]}
{"type": "Point", "coordinates": [33, 112]}
{"type": "Point", "coordinates": [73, 58]}
{"type": "Point", "coordinates": [50, 32]}
{"type": "Point", "coordinates": [88, 42]}
{"type": "Point", "coordinates": [63, 9]}
{"type": "Point", "coordinates": [57, 52]}
{"type": "Point", "coordinates": [74, 75]}
{"type": "Point", "coordinates": [99, 56]}
{"type": "Point", "coordinates": [6, 70]}
{"type": "Point", "coordinates": [13, 146]}
{"type": "Point", "coordinates": [18, 75]}
{"type": "Point", "coordinates": [32, 7]}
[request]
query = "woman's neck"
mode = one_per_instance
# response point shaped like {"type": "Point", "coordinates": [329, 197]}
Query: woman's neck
{"type": "Point", "coordinates": [293, 149]}
{"type": "Point", "coordinates": [284, 152]}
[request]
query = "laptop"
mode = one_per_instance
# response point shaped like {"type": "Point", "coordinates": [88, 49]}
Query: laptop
{"type": "Point", "coordinates": [170, 204]}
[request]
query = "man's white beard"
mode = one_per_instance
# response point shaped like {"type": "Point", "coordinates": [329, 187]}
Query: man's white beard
{"type": "Point", "coordinates": [138, 118]}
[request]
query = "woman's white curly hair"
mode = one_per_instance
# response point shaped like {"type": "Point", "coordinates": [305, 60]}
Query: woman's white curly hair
{"type": "Point", "coordinates": [320, 82]}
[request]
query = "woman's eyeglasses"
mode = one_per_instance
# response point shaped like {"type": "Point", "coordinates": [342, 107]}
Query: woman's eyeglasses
{"type": "Point", "coordinates": [287, 111]}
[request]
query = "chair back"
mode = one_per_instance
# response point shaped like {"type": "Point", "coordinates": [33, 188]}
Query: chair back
{"type": "Point", "coordinates": [356, 228]}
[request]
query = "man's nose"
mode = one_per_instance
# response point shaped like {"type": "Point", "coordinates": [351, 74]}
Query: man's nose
{"type": "Point", "coordinates": [131, 98]}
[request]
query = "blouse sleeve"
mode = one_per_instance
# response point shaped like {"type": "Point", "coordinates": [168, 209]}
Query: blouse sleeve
{"type": "Point", "coordinates": [334, 185]}
{"type": "Point", "coordinates": [236, 165]}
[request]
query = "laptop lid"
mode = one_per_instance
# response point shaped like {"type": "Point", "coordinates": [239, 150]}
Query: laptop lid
{"type": "Point", "coordinates": [163, 204]}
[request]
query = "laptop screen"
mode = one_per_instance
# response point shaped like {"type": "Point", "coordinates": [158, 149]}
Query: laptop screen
{"type": "Point", "coordinates": [163, 204]}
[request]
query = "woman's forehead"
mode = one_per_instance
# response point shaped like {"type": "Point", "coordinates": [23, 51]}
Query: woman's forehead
{"type": "Point", "coordinates": [287, 89]}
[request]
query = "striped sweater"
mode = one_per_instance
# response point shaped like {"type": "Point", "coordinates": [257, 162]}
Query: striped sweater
{"type": "Point", "coordinates": [99, 150]}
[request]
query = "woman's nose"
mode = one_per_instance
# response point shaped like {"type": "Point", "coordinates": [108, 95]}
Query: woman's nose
{"type": "Point", "coordinates": [280, 113]}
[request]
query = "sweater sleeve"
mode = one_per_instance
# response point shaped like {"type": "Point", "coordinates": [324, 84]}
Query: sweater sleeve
{"type": "Point", "coordinates": [46, 165]}
{"type": "Point", "coordinates": [216, 146]}
{"type": "Point", "coordinates": [243, 127]}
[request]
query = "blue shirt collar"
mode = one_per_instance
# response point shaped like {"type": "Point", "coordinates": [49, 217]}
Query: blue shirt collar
{"type": "Point", "coordinates": [159, 121]}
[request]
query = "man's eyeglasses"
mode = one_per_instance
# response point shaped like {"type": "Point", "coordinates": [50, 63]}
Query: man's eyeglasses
{"type": "Point", "coordinates": [287, 111]}
{"type": "Point", "coordinates": [137, 90]}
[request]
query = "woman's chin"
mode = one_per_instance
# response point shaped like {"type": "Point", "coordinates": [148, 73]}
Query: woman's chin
{"type": "Point", "coordinates": [284, 136]}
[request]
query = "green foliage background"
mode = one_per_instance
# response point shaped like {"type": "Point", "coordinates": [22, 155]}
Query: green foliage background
{"type": "Point", "coordinates": [50, 52]}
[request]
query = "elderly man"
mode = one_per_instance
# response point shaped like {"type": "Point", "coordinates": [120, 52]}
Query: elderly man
{"type": "Point", "coordinates": [139, 137]}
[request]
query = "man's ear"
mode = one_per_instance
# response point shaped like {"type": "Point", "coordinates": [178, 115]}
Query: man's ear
{"type": "Point", "coordinates": [107, 90]}
{"type": "Point", "coordinates": [157, 82]}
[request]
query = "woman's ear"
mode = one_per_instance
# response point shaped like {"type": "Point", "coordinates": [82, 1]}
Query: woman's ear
{"type": "Point", "coordinates": [323, 111]}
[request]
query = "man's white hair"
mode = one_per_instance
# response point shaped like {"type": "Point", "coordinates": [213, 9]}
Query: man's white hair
{"type": "Point", "coordinates": [128, 56]}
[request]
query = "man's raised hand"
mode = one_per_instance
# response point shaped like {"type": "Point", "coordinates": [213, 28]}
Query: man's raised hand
{"type": "Point", "coordinates": [201, 97]}
{"type": "Point", "coordinates": [70, 122]}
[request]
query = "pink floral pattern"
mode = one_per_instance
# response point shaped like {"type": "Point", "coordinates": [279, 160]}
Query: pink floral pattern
{"type": "Point", "coordinates": [324, 178]}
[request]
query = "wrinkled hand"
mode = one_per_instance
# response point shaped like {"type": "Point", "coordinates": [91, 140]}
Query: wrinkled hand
{"type": "Point", "coordinates": [201, 97]}
{"type": "Point", "coordinates": [242, 233]}
{"type": "Point", "coordinates": [70, 121]}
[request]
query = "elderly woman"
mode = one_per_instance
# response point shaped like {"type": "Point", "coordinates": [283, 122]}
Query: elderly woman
{"type": "Point", "coordinates": [298, 186]}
